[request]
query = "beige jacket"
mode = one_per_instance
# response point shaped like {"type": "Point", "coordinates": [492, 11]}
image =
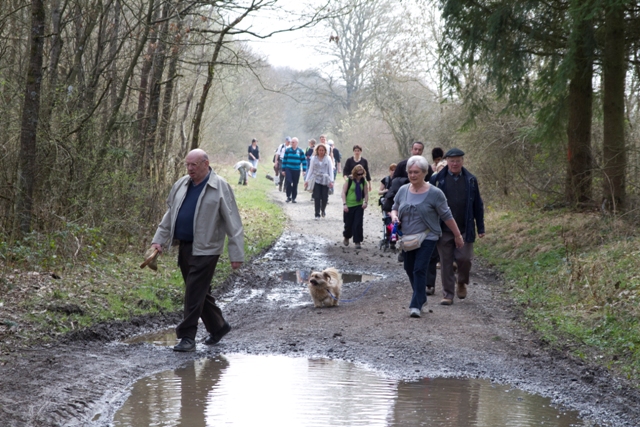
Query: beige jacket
{"type": "Point", "coordinates": [216, 216]}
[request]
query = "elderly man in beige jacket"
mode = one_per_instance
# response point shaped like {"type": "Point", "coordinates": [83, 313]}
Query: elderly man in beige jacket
{"type": "Point", "coordinates": [201, 212]}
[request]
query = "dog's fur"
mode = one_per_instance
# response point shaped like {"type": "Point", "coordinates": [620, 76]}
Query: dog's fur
{"type": "Point", "coordinates": [323, 282]}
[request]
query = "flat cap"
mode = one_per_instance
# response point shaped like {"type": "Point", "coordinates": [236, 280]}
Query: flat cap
{"type": "Point", "coordinates": [454, 152]}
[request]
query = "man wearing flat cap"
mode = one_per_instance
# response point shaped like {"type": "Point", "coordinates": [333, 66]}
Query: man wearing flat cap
{"type": "Point", "coordinates": [463, 197]}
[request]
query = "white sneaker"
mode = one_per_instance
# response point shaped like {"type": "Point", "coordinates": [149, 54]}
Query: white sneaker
{"type": "Point", "coordinates": [414, 312]}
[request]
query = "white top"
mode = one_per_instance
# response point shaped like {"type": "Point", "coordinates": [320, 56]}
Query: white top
{"type": "Point", "coordinates": [321, 171]}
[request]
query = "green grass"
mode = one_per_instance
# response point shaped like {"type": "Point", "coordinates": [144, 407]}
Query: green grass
{"type": "Point", "coordinates": [577, 279]}
{"type": "Point", "coordinates": [113, 287]}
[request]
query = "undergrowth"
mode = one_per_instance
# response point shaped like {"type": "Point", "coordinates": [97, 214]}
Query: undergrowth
{"type": "Point", "coordinates": [576, 277]}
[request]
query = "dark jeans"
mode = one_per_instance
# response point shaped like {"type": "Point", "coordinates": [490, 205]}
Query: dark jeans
{"type": "Point", "coordinates": [320, 197]}
{"type": "Point", "coordinates": [416, 265]}
{"type": "Point", "coordinates": [291, 183]}
{"type": "Point", "coordinates": [197, 272]}
{"type": "Point", "coordinates": [353, 221]}
{"type": "Point", "coordinates": [432, 272]}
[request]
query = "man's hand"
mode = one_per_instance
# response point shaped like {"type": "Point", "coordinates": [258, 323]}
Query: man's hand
{"type": "Point", "coordinates": [236, 265]}
{"type": "Point", "coordinates": [481, 235]}
{"type": "Point", "coordinates": [157, 246]}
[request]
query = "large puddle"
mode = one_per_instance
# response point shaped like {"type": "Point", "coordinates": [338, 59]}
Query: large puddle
{"type": "Point", "coordinates": [249, 390]}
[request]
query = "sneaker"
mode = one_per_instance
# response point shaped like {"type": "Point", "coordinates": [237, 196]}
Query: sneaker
{"type": "Point", "coordinates": [215, 338]}
{"type": "Point", "coordinates": [317, 216]}
{"type": "Point", "coordinates": [345, 241]}
{"type": "Point", "coordinates": [288, 199]}
{"type": "Point", "coordinates": [446, 301]}
{"type": "Point", "coordinates": [462, 290]}
{"type": "Point", "coordinates": [431, 290]}
{"type": "Point", "coordinates": [414, 312]}
{"type": "Point", "coordinates": [293, 201]}
{"type": "Point", "coordinates": [358, 246]}
{"type": "Point", "coordinates": [185, 345]}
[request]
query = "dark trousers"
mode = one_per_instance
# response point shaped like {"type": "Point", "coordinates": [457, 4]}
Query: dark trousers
{"type": "Point", "coordinates": [353, 221]}
{"type": "Point", "coordinates": [320, 197]}
{"type": "Point", "coordinates": [291, 183]}
{"type": "Point", "coordinates": [197, 272]}
{"type": "Point", "coordinates": [416, 265]}
{"type": "Point", "coordinates": [432, 272]}
{"type": "Point", "coordinates": [448, 254]}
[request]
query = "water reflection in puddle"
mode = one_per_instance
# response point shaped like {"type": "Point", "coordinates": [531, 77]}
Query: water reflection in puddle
{"type": "Point", "coordinates": [246, 390]}
{"type": "Point", "coordinates": [302, 276]}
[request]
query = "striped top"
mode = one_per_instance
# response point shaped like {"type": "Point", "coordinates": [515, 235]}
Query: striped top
{"type": "Point", "coordinates": [294, 158]}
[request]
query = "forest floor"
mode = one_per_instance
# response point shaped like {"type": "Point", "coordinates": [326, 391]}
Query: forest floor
{"type": "Point", "coordinates": [84, 378]}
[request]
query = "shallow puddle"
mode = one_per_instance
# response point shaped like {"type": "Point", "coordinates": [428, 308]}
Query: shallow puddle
{"type": "Point", "coordinates": [247, 390]}
{"type": "Point", "coordinates": [302, 276]}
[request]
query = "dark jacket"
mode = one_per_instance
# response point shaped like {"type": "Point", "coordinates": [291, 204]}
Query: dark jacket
{"type": "Point", "coordinates": [475, 207]}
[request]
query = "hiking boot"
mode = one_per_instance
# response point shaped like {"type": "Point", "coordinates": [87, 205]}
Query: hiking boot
{"type": "Point", "coordinates": [431, 290]}
{"type": "Point", "coordinates": [323, 214]}
{"type": "Point", "coordinates": [446, 301]}
{"type": "Point", "coordinates": [414, 312]}
{"type": "Point", "coordinates": [185, 345]}
{"type": "Point", "coordinates": [345, 241]}
{"type": "Point", "coordinates": [358, 246]}
{"type": "Point", "coordinates": [462, 290]}
{"type": "Point", "coordinates": [288, 199]}
{"type": "Point", "coordinates": [215, 338]}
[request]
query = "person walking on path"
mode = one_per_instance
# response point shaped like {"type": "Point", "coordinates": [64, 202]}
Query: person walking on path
{"type": "Point", "coordinates": [417, 148]}
{"type": "Point", "coordinates": [244, 168]}
{"type": "Point", "coordinates": [463, 195]}
{"type": "Point", "coordinates": [293, 159]}
{"type": "Point", "coordinates": [201, 211]}
{"type": "Point", "coordinates": [277, 162]}
{"type": "Point", "coordinates": [351, 163]}
{"type": "Point", "coordinates": [254, 155]}
{"type": "Point", "coordinates": [418, 209]}
{"type": "Point", "coordinates": [320, 175]}
{"type": "Point", "coordinates": [355, 199]}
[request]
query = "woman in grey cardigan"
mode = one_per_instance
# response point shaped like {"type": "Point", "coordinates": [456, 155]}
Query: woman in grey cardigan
{"type": "Point", "coordinates": [418, 208]}
{"type": "Point", "coordinates": [320, 173]}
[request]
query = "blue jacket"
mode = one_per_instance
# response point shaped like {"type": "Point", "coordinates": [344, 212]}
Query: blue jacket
{"type": "Point", "coordinates": [475, 207]}
{"type": "Point", "coordinates": [294, 158]}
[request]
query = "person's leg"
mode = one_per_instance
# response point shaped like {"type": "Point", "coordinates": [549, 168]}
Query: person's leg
{"type": "Point", "coordinates": [347, 218]}
{"type": "Point", "coordinates": [324, 197]}
{"type": "Point", "coordinates": [316, 199]}
{"type": "Point", "coordinates": [432, 272]}
{"type": "Point", "coordinates": [295, 178]}
{"type": "Point", "coordinates": [463, 257]}
{"type": "Point", "coordinates": [446, 247]}
{"type": "Point", "coordinates": [197, 272]}
{"type": "Point", "coordinates": [287, 182]}
{"type": "Point", "coordinates": [358, 221]}
{"type": "Point", "coordinates": [419, 261]}
{"type": "Point", "coordinates": [255, 165]}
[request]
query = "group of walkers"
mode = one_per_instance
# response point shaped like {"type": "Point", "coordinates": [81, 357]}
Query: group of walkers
{"type": "Point", "coordinates": [437, 215]}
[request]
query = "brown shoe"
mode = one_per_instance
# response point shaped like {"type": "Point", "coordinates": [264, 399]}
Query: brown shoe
{"type": "Point", "coordinates": [446, 301]}
{"type": "Point", "coordinates": [462, 290]}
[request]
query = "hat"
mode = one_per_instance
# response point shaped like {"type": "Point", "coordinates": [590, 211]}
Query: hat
{"type": "Point", "coordinates": [288, 139]}
{"type": "Point", "coordinates": [330, 142]}
{"type": "Point", "coordinates": [454, 152]}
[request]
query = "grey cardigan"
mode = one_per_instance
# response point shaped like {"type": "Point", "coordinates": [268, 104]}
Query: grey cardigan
{"type": "Point", "coordinates": [432, 210]}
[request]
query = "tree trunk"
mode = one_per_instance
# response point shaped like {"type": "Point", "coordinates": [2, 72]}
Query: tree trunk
{"type": "Point", "coordinates": [579, 155]}
{"type": "Point", "coordinates": [613, 144]}
{"type": "Point", "coordinates": [30, 116]}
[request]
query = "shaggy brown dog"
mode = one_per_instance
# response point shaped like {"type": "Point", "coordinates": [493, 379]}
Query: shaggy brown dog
{"type": "Point", "coordinates": [321, 283]}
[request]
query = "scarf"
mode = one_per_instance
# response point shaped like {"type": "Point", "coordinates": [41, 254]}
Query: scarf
{"type": "Point", "coordinates": [359, 190]}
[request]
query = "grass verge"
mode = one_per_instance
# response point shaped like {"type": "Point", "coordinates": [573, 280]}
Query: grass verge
{"type": "Point", "coordinates": [576, 277]}
{"type": "Point", "coordinates": [109, 287]}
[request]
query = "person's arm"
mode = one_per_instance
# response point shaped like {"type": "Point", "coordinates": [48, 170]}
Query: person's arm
{"type": "Point", "coordinates": [250, 153]}
{"type": "Point", "coordinates": [232, 222]}
{"type": "Point", "coordinates": [344, 196]}
{"type": "Point", "coordinates": [382, 189]}
{"type": "Point", "coordinates": [366, 196]}
{"type": "Point", "coordinates": [451, 223]}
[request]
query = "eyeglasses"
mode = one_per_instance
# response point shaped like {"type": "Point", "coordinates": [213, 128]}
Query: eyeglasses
{"type": "Point", "coordinates": [194, 165]}
{"type": "Point", "coordinates": [359, 174]}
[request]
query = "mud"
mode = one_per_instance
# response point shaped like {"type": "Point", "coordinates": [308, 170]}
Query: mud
{"type": "Point", "coordinates": [83, 379]}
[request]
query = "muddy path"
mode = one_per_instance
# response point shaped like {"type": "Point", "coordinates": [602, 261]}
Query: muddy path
{"type": "Point", "coordinates": [83, 380]}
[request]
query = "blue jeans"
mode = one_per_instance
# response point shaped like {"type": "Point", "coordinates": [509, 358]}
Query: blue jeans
{"type": "Point", "coordinates": [416, 265]}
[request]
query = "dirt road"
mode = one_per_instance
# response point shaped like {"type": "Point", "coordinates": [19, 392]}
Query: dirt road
{"type": "Point", "coordinates": [83, 381]}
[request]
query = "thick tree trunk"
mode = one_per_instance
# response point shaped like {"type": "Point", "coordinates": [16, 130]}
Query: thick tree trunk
{"type": "Point", "coordinates": [30, 116]}
{"type": "Point", "coordinates": [579, 155]}
{"type": "Point", "coordinates": [613, 145]}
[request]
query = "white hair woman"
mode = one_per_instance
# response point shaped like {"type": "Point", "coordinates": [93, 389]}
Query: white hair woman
{"type": "Point", "coordinates": [418, 209]}
{"type": "Point", "coordinates": [320, 175]}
